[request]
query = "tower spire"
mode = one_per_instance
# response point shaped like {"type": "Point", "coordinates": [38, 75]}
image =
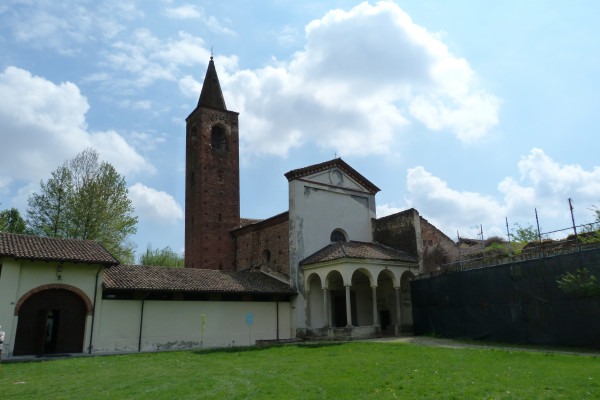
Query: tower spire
{"type": "Point", "coordinates": [211, 95]}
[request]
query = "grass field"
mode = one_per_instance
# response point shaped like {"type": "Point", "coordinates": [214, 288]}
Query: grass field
{"type": "Point", "coordinates": [360, 370]}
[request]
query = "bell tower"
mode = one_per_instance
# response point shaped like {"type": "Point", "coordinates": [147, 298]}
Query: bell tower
{"type": "Point", "coordinates": [212, 190]}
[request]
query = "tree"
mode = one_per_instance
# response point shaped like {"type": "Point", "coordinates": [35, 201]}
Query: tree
{"type": "Point", "coordinates": [164, 258]}
{"type": "Point", "coordinates": [524, 235]}
{"type": "Point", "coordinates": [47, 211]}
{"type": "Point", "coordinates": [85, 199]}
{"type": "Point", "coordinates": [12, 222]}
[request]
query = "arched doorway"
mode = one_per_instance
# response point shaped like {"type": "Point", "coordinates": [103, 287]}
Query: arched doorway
{"type": "Point", "coordinates": [337, 297]}
{"type": "Point", "coordinates": [362, 299]}
{"type": "Point", "coordinates": [51, 321]}
{"type": "Point", "coordinates": [386, 302]}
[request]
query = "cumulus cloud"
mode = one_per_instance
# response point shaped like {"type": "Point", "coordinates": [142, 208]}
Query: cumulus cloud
{"type": "Point", "coordinates": [43, 124]}
{"type": "Point", "coordinates": [450, 208]}
{"type": "Point", "coordinates": [154, 205]}
{"type": "Point", "coordinates": [544, 185]}
{"type": "Point", "coordinates": [547, 184]}
{"type": "Point", "coordinates": [362, 76]}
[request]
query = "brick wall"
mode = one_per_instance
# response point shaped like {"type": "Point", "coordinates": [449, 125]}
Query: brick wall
{"type": "Point", "coordinates": [397, 231]}
{"type": "Point", "coordinates": [409, 232]}
{"type": "Point", "coordinates": [212, 204]}
{"type": "Point", "coordinates": [438, 248]}
{"type": "Point", "coordinates": [265, 243]}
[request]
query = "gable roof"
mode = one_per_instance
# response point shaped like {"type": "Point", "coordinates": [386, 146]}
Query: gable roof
{"type": "Point", "coordinates": [43, 248]}
{"type": "Point", "coordinates": [335, 163]}
{"type": "Point", "coordinates": [152, 278]}
{"type": "Point", "coordinates": [357, 250]}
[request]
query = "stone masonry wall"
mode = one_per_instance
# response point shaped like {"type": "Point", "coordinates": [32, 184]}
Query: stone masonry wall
{"type": "Point", "coordinates": [397, 231]}
{"type": "Point", "coordinates": [265, 244]}
{"type": "Point", "coordinates": [438, 248]}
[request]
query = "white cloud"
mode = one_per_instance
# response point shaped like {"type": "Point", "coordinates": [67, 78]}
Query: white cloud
{"type": "Point", "coordinates": [44, 124]}
{"type": "Point", "coordinates": [190, 11]}
{"type": "Point", "coordinates": [362, 76]}
{"type": "Point", "coordinates": [66, 26]}
{"type": "Point", "coordinates": [449, 208]}
{"type": "Point", "coordinates": [544, 185]}
{"type": "Point", "coordinates": [547, 185]}
{"type": "Point", "coordinates": [186, 11]}
{"type": "Point", "coordinates": [386, 209]}
{"type": "Point", "coordinates": [154, 205]}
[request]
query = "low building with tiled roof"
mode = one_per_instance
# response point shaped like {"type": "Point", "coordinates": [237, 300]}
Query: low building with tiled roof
{"type": "Point", "coordinates": [190, 280]}
{"type": "Point", "coordinates": [29, 247]}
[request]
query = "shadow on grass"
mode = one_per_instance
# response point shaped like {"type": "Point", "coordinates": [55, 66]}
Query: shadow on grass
{"type": "Point", "coordinates": [244, 349]}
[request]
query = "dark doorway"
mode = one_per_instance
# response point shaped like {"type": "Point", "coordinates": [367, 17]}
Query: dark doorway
{"type": "Point", "coordinates": [385, 319]}
{"type": "Point", "coordinates": [338, 305]}
{"type": "Point", "coordinates": [51, 322]}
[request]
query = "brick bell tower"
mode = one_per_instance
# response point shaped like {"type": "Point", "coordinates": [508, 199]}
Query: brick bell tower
{"type": "Point", "coordinates": [212, 190]}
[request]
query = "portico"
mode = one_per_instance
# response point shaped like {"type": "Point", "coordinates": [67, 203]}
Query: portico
{"type": "Point", "coordinates": [356, 289]}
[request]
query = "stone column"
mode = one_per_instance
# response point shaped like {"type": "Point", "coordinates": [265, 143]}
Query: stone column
{"type": "Point", "coordinates": [308, 321]}
{"type": "Point", "coordinates": [398, 313]}
{"type": "Point", "coordinates": [348, 308]}
{"type": "Point", "coordinates": [375, 313]}
{"type": "Point", "coordinates": [326, 308]}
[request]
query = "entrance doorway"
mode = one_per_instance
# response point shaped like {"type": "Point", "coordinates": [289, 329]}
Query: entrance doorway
{"type": "Point", "coordinates": [51, 322]}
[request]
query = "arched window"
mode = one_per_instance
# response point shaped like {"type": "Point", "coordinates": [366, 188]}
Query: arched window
{"type": "Point", "coordinates": [266, 256]}
{"type": "Point", "coordinates": [338, 236]}
{"type": "Point", "coordinates": [218, 140]}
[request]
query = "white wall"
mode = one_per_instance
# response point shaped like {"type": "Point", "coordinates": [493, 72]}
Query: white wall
{"type": "Point", "coordinates": [319, 204]}
{"type": "Point", "coordinates": [20, 276]}
{"type": "Point", "coordinates": [175, 325]}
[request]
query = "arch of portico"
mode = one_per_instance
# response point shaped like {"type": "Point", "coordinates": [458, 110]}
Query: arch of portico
{"type": "Point", "coordinates": [353, 293]}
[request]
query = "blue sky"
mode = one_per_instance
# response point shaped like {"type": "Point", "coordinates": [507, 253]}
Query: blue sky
{"type": "Point", "coordinates": [470, 112]}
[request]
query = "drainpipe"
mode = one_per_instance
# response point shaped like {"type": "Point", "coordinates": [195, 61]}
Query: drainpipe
{"type": "Point", "coordinates": [277, 327]}
{"type": "Point", "coordinates": [141, 322]}
{"type": "Point", "coordinates": [94, 310]}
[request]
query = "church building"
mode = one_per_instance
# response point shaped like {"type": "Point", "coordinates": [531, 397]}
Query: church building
{"type": "Point", "coordinates": [327, 268]}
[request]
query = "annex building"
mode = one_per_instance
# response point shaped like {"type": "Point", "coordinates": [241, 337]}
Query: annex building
{"type": "Point", "coordinates": [326, 268]}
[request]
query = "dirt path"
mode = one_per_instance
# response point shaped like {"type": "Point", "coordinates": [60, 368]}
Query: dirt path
{"type": "Point", "coordinates": [450, 343]}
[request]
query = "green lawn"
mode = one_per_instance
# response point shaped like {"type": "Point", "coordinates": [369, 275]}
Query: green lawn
{"type": "Point", "coordinates": [360, 370]}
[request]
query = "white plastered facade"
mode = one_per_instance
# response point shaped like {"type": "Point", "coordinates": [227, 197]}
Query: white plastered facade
{"type": "Point", "coordinates": [321, 203]}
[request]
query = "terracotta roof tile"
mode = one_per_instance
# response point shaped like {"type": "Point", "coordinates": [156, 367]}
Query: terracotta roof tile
{"type": "Point", "coordinates": [144, 277]}
{"type": "Point", "coordinates": [358, 250]}
{"type": "Point", "coordinates": [54, 249]}
{"type": "Point", "coordinates": [336, 162]}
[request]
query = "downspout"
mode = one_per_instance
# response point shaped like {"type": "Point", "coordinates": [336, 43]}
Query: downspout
{"type": "Point", "coordinates": [94, 310]}
{"type": "Point", "coordinates": [277, 327]}
{"type": "Point", "coordinates": [141, 323]}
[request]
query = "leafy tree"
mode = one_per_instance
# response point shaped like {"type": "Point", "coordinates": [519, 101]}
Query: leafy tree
{"type": "Point", "coordinates": [12, 222]}
{"type": "Point", "coordinates": [524, 235]}
{"type": "Point", "coordinates": [164, 258]}
{"type": "Point", "coordinates": [47, 211]}
{"type": "Point", "coordinates": [520, 236]}
{"type": "Point", "coordinates": [580, 283]}
{"type": "Point", "coordinates": [85, 199]}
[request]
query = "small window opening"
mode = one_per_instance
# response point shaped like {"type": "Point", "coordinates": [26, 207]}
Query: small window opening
{"type": "Point", "coordinates": [266, 256]}
{"type": "Point", "coordinates": [338, 236]}
{"type": "Point", "coordinates": [218, 139]}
